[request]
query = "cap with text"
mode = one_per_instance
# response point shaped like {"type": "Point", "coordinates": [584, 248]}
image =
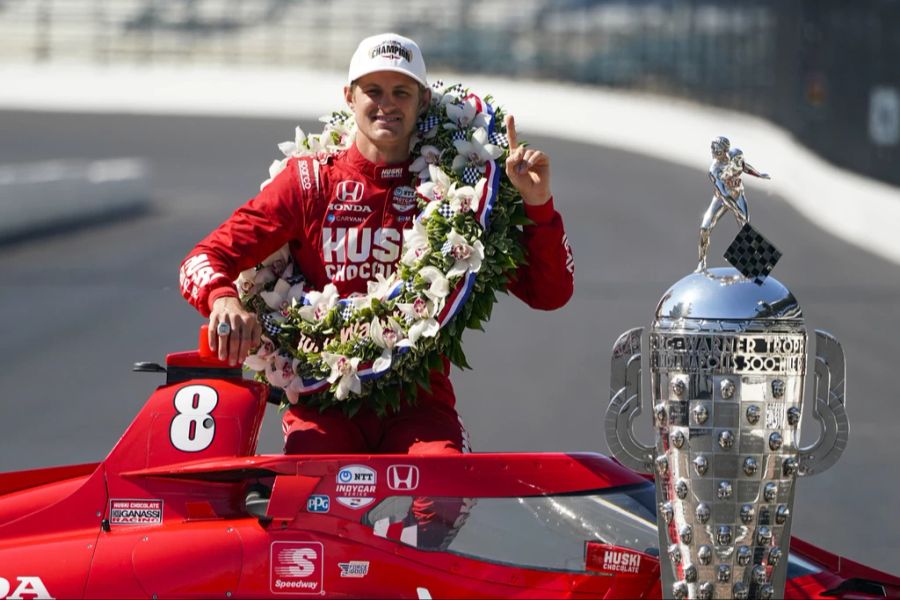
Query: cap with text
{"type": "Point", "coordinates": [388, 52]}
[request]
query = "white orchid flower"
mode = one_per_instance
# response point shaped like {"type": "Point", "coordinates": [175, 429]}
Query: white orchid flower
{"type": "Point", "coordinates": [429, 155]}
{"type": "Point", "coordinates": [295, 147]}
{"type": "Point", "coordinates": [320, 304]}
{"type": "Point", "coordinates": [275, 168]}
{"type": "Point", "coordinates": [251, 281]}
{"type": "Point", "coordinates": [437, 186]}
{"type": "Point", "coordinates": [415, 240]}
{"type": "Point", "coordinates": [278, 260]}
{"type": "Point", "coordinates": [468, 257]}
{"type": "Point", "coordinates": [420, 314]}
{"type": "Point", "coordinates": [451, 97]}
{"type": "Point", "coordinates": [438, 287]}
{"type": "Point", "coordinates": [377, 290]}
{"type": "Point", "coordinates": [340, 135]}
{"type": "Point", "coordinates": [343, 369]}
{"type": "Point", "coordinates": [283, 296]}
{"type": "Point", "coordinates": [467, 198]}
{"type": "Point", "coordinates": [465, 114]}
{"type": "Point", "coordinates": [292, 391]}
{"type": "Point", "coordinates": [475, 152]}
{"type": "Point", "coordinates": [386, 336]}
{"type": "Point", "coordinates": [263, 357]}
{"type": "Point", "coordinates": [282, 371]}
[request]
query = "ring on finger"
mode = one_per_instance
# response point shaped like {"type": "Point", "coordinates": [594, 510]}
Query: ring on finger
{"type": "Point", "coordinates": [223, 328]}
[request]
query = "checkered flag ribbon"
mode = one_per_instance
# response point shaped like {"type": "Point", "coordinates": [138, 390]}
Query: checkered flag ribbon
{"type": "Point", "coordinates": [429, 123]}
{"type": "Point", "coordinates": [337, 119]}
{"type": "Point", "coordinates": [346, 311]}
{"type": "Point", "coordinates": [459, 136]}
{"type": "Point", "coordinates": [271, 327]}
{"type": "Point", "coordinates": [437, 84]}
{"type": "Point", "coordinates": [471, 175]}
{"type": "Point", "coordinates": [447, 248]}
{"type": "Point", "coordinates": [499, 139]}
{"type": "Point", "coordinates": [445, 210]}
{"type": "Point", "coordinates": [752, 254]}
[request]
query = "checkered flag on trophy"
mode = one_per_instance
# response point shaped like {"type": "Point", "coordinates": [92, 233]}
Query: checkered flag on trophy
{"type": "Point", "coordinates": [752, 254]}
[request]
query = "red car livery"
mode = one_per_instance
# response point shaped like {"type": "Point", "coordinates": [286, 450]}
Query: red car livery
{"type": "Point", "coordinates": [192, 512]}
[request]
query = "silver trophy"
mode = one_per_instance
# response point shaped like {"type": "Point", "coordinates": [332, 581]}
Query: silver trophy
{"type": "Point", "coordinates": [727, 360]}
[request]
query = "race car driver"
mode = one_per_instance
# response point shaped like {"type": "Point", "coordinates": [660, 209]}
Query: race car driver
{"type": "Point", "coordinates": [342, 217]}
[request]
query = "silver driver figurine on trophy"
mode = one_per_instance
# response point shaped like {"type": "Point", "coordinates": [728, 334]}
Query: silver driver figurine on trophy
{"type": "Point", "coordinates": [727, 360]}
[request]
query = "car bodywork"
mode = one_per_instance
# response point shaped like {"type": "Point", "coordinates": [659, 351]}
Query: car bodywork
{"type": "Point", "coordinates": [182, 507]}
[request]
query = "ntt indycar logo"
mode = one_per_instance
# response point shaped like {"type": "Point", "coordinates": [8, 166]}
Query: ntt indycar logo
{"type": "Point", "coordinates": [355, 486]}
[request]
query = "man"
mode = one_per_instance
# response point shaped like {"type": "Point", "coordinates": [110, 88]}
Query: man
{"type": "Point", "coordinates": [337, 212]}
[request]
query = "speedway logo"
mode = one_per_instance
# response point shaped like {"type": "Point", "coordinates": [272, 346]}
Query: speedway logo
{"type": "Point", "coordinates": [135, 512]}
{"type": "Point", "coordinates": [403, 477]}
{"type": "Point", "coordinates": [350, 191]}
{"type": "Point", "coordinates": [28, 587]}
{"type": "Point", "coordinates": [404, 199]}
{"type": "Point", "coordinates": [354, 569]}
{"type": "Point", "coordinates": [296, 567]}
{"type": "Point", "coordinates": [355, 486]}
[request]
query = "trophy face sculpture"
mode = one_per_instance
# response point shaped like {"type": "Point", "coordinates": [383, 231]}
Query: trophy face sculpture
{"type": "Point", "coordinates": [727, 360]}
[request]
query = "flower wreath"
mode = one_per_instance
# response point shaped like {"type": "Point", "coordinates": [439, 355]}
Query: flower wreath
{"type": "Point", "coordinates": [463, 247]}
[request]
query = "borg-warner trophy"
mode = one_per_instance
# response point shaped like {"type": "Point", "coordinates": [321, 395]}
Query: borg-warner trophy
{"type": "Point", "coordinates": [727, 360]}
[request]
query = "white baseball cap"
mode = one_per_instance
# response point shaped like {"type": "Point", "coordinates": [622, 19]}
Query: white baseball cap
{"type": "Point", "coordinates": [388, 52]}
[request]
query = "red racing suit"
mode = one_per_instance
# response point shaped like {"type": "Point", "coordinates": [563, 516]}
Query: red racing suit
{"type": "Point", "coordinates": [342, 218]}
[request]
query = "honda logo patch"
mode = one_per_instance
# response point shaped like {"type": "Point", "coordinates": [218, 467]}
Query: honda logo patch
{"type": "Point", "coordinates": [350, 191]}
{"type": "Point", "coordinates": [403, 477]}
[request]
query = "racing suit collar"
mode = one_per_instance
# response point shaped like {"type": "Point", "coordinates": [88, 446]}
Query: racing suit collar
{"type": "Point", "coordinates": [380, 172]}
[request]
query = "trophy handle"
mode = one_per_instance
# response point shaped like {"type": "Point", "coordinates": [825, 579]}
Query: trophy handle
{"type": "Point", "coordinates": [625, 404]}
{"type": "Point", "coordinates": [829, 409]}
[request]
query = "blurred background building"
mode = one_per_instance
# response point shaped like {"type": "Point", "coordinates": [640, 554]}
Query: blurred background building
{"type": "Point", "coordinates": [826, 70]}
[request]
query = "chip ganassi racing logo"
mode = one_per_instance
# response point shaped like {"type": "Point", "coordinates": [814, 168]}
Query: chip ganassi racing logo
{"type": "Point", "coordinates": [350, 191]}
{"type": "Point", "coordinates": [17, 588]}
{"type": "Point", "coordinates": [135, 512]}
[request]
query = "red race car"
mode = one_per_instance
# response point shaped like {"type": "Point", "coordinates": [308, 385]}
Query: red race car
{"type": "Point", "coordinates": [183, 508]}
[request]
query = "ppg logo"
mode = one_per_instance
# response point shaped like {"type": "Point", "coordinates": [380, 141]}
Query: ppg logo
{"type": "Point", "coordinates": [318, 504]}
{"type": "Point", "coordinates": [403, 477]}
{"type": "Point", "coordinates": [350, 191]}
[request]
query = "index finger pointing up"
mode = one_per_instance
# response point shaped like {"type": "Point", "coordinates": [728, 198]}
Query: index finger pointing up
{"type": "Point", "coordinates": [511, 132]}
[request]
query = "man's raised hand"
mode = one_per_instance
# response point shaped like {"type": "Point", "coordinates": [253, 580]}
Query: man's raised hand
{"type": "Point", "coordinates": [528, 170]}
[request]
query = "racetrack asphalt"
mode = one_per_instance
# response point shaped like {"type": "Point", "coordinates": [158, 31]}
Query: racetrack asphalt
{"type": "Point", "coordinates": [80, 307]}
